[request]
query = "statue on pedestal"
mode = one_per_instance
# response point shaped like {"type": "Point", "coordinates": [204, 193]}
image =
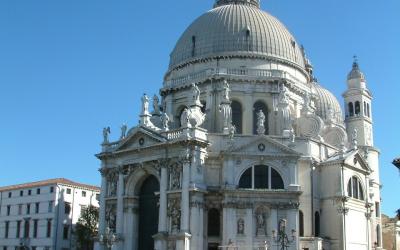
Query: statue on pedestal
{"type": "Point", "coordinates": [260, 122]}
{"type": "Point", "coordinates": [145, 104]}
{"type": "Point", "coordinates": [106, 132]}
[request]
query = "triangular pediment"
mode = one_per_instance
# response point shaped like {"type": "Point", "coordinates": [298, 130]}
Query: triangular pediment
{"type": "Point", "coordinates": [140, 137]}
{"type": "Point", "coordinates": [263, 145]}
{"type": "Point", "coordinates": [354, 159]}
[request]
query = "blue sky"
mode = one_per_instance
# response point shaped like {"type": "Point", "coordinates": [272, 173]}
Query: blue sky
{"type": "Point", "coordinates": [69, 68]}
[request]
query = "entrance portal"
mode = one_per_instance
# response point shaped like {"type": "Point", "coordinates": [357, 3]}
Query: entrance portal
{"type": "Point", "coordinates": [148, 213]}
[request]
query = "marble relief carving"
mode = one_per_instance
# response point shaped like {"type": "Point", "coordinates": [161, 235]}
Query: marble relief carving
{"type": "Point", "coordinates": [111, 216]}
{"type": "Point", "coordinates": [174, 212]}
{"type": "Point", "coordinates": [240, 226]}
{"type": "Point", "coordinates": [175, 176]}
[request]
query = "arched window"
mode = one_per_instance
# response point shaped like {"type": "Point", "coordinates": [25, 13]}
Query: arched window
{"type": "Point", "coordinates": [237, 116]}
{"type": "Point", "coordinates": [365, 109]}
{"type": "Point", "coordinates": [354, 188]}
{"type": "Point", "coordinates": [357, 108]}
{"type": "Point", "coordinates": [301, 223]}
{"type": "Point", "coordinates": [317, 224]}
{"type": "Point", "coordinates": [368, 111]}
{"type": "Point", "coordinates": [261, 177]}
{"type": "Point", "coordinates": [214, 223]}
{"type": "Point", "coordinates": [351, 109]}
{"type": "Point", "coordinates": [259, 105]}
{"type": "Point", "coordinates": [193, 46]}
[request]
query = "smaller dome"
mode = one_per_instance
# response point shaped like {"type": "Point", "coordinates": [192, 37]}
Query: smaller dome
{"type": "Point", "coordinates": [325, 103]}
{"type": "Point", "coordinates": [355, 72]}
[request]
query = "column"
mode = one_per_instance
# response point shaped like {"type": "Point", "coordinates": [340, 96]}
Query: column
{"type": "Point", "coordinates": [162, 221]}
{"type": "Point", "coordinates": [159, 239]}
{"type": "Point", "coordinates": [102, 213]}
{"type": "Point", "coordinates": [185, 196]}
{"type": "Point", "coordinates": [293, 224]}
{"type": "Point", "coordinates": [120, 206]}
{"type": "Point", "coordinates": [247, 114]}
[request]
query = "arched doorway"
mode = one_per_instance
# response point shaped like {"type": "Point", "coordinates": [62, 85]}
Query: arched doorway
{"type": "Point", "coordinates": [148, 212]}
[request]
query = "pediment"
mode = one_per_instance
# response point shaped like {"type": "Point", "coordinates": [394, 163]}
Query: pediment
{"type": "Point", "coordinates": [263, 145]}
{"type": "Point", "coordinates": [140, 137]}
{"type": "Point", "coordinates": [355, 160]}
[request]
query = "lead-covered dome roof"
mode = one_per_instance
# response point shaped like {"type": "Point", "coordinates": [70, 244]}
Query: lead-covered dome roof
{"type": "Point", "coordinates": [325, 103]}
{"type": "Point", "coordinates": [237, 28]}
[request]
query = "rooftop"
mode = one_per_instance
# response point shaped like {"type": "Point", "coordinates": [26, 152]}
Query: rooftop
{"type": "Point", "coordinates": [48, 182]}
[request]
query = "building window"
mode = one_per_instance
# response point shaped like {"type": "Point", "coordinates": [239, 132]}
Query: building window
{"type": "Point", "coordinates": [237, 116]}
{"type": "Point", "coordinates": [317, 224]}
{"type": "Point", "coordinates": [377, 209]}
{"type": "Point", "coordinates": [48, 229]}
{"type": "Point", "coordinates": [18, 232]}
{"type": "Point", "coordinates": [51, 205]}
{"type": "Point", "coordinates": [33, 248]}
{"type": "Point", "coordinates": [8, 210]}
{"type": "Point", "coordinates": [193, 46]}
{"type": "Point", "coordinates": [6, 229]}
{"type": "Point", "coordinates": [29, 192]}
{"type": "Point", "coordinates": [26, 229]}
{"type": "Point", "coordinates": [365, 109]}
{"type": "Point", "coordinates": [4, 248]}
{"type": "Point", "coordinates": [28, 208]}
{"type": "Point", "coordinates": [68, 191]}
{"type": "Point", "coordinates": [51, 189]}
{"type": "Point", "coordinates": [65, 232]}
{"type": "Point", "coordinates": [261, 177]}
{"type": "Point", "coordinates": [38, 191]}
{"type": "Point", "coordinates": [35, 228]}
{"type": "Point", "coordinates": [67, 207]}
{"type": "Point", "coordinates": [354, 189]}
{"type": "Point", "coordinates": [19, 209]}
{"type": "Point", "coordinates": [357, 108]}
{"type": "Point", "coordinates": [37, 206]}
{"type": "Point", "coordinates": [351, 109]}
{"type": "Point", "coordinates": [83, 193]}
{"type": "Point", "coordinates": [83, 208]}
{"type": "Point", "coordinates": [21, 193]}
{"type": "Point", "coordinates": [368, 110]}
{"type": "Point", "coordinates": [301, 223]}
{"type": "Point", "coordinates": [214, 223]}
{"type": "Point", "coordinates": [259, 105]}
{"type": "Point", "coordinates": [9, 194]}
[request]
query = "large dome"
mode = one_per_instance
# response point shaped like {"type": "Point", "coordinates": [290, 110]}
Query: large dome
{"type": "Point", "coordinates": [237, 30]}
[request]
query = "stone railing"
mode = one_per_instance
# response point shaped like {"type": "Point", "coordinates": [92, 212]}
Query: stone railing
{"type": "Point", "coordinates": [213, 72]}
{"type": "Point", "coordinates": [174, 134]}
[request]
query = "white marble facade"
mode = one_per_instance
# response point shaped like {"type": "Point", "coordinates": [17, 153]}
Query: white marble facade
{"type": "Point", "coordinates": [242, 140]}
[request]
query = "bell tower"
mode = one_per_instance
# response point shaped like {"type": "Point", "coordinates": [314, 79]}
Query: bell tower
{"type": "Point", "coordinates": [357, 104]}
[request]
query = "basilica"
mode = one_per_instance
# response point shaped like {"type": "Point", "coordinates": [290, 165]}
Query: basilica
{"type": "Point", "coordinates": [242, 148]}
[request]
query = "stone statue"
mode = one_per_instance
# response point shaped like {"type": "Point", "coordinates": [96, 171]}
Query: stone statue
{"type": "Point", "coordinates": [307, 104]}
{"type": "Point", "coordinates": [240, 226]}
{"type": "Point", "coordinates": [354, 138]}
{"type": "Point", "coordinates": [226, 110]}
{"type": "Point", "coordinates": [260, 223]}
{"type": "Point", "coordinates": [226, 91]}
{"type": "Point", "coordinates": [195, 94]}
{"type": "Point", "coordinates": [145, 104]}
{"type": "Point", "coordinates": [165, 120]}
{"type": "Point", "coordinates": [124, 128]}
{"type": "Point", "coordinates": [260, 122]}
{"type": "Point", "coordinates": [282, 225]}
{"type": "Point", "coordinates": [283, 95]}
{"type": "Point", "coordinates": [232, 132]}
{"type": "Point", "coordinates": [106, 132]}
{"type": "Point", "coordinates": [111, 217]}
{"type": "Point", "coordinates": [185, 122]}
{"type": "Point", "coordinates": [156, 105]}
{"type": "Point", "coordinates": [330, 115]}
